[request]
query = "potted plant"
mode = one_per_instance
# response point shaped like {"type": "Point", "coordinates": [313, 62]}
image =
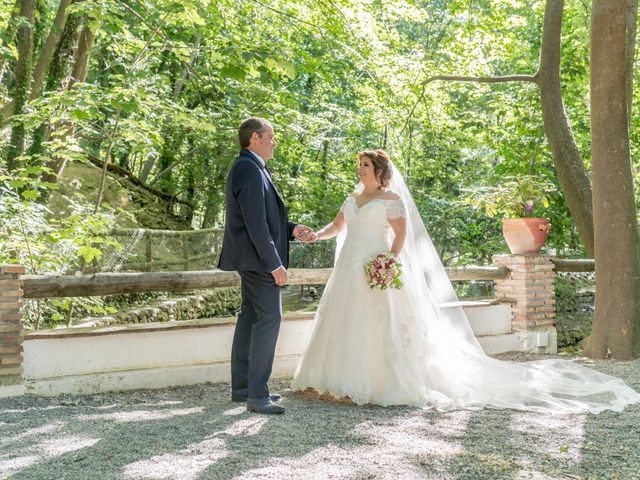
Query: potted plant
{"type": "Point", "coordinates": [518, 199]}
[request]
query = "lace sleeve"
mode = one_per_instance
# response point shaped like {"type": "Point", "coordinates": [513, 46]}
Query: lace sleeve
{"type": "Point", "coordinates": [344, 204]}
{"type": "Point", "coordinates": [395, 209]}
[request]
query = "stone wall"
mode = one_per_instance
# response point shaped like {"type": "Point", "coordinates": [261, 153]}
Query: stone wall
{"type": "Point", "coordinates": [214, 303]}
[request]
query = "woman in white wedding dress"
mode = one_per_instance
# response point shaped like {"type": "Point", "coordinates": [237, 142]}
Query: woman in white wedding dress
{"type": "Point", "coordinates": [414, 346]}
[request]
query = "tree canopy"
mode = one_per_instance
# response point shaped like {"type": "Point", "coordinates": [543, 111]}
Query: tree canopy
{"type": "Point", "coordinates": [159, 88]}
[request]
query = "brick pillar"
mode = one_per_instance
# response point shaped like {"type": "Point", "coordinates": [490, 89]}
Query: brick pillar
{"type": "Point", "coordinates": [11, 330]}
{"type": "Point", "coordinates": [529, 286]}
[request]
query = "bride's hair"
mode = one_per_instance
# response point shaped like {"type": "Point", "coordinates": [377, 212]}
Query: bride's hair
{"type": "Point", "coordinates": [381, 164]}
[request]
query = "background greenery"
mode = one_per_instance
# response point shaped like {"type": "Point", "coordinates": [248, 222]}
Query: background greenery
{"type": "Point", "coordinates": [168, 82]}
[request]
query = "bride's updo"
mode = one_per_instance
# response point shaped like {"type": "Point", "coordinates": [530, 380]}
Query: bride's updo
{"type": "Point", "coordinates": [381, 164]}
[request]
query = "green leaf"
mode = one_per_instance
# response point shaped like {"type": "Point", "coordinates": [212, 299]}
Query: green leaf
{"type": "Point", "coordinates": [30, 194]}
{"type": "Point", "coordinates": [16, 183]}
{"type": "Point", "coordinates": [232, 71]}
{"type": "Point", "coordinates": [79, 115]}
{"type": "Point", "coordinates": [33, 170]}
{"type": "Point", "coordinates": [287, 68]}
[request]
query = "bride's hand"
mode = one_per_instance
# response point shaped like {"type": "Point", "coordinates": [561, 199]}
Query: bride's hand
{"type": "Point", "coordinates": [312, 237]}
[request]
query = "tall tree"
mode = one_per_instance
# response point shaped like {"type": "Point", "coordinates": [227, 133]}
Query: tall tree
{"type": "Point", "coordinates": [23, 79]}
{"type": "Point", "coordinates": [49, 47]}
{"type": "Point", "coordinates": [616, 325]}
{"type": "Point", "coordinates": [58, 71]}
{"type": "Point", "coordinates": [572, 174]}
{"type": "Point", "coordinates": [78, 75]}
{"type": "Point", "coordinates": [8, 36]}
{"type": "Point", "coordinates": [44, 60]}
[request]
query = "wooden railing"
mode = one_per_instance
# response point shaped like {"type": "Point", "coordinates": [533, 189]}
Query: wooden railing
{"type": "Point", "coordinates": [50, 286]}
{"type": "Point", "coordinates": [574, 265]}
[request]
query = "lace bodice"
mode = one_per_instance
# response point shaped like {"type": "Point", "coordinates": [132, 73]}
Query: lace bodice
{"type": "Point", "coordinates": [394, 208]}
{"type": "Point", "coordinates": [368, 228]}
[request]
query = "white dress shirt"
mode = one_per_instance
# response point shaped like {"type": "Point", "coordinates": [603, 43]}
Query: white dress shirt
{"type": "Point", "coordinates": [264, 164]}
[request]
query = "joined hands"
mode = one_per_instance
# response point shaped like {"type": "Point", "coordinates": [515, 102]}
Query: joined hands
{"type": "Point", "coordinates": [305, 234]}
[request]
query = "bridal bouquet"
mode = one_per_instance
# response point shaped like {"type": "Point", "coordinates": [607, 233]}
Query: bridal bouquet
{"type": "Point", "coordinates": [383, 271]}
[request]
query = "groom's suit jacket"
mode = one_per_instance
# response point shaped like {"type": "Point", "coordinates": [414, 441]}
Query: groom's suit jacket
{"type": "Point", "coordinates": [257, 230]}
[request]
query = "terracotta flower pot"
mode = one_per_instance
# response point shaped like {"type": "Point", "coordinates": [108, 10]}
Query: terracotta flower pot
{"type": "Point", "coordinates": [525, 235]}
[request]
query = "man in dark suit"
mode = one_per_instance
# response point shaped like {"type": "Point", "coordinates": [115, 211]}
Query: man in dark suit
{"type": "Point", "coordinates": [256, 244]}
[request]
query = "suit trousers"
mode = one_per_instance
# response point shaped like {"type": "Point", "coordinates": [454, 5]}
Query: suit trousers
{"type": "Point", "coordinates": [256, 333]}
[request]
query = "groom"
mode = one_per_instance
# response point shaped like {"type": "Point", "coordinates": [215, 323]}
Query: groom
{"type": "Point", "coordinates": [256, 244]}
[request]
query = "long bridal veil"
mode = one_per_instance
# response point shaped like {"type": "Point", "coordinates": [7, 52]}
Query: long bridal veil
{"type": "Point", "coordinates": [453, 370]}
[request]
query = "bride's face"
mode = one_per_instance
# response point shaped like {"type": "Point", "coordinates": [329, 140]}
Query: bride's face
{"type": "Point", "coordinates": [366, 172]}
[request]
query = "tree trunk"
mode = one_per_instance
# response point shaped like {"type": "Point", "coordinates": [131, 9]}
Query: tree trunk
{"type": "Point", "coordinates": [78, 75]}
{"type": "Point", "coordinates": [216, 178]}
{"type": "Point", "coordinates": [146, 169]}
{"type": "Point", "coordinates": [632, 19]}
{"type": "Point", "coordinates": [8, 35]}
{"type": "Point", "coordinates": [39, 25]}
{"type": "Point", "coordinates": [49, 48]}
{"type": "Point", "coordinates": [191, 196]}
{"type": "Point", "coordinates": [177, 89]}
{"type": "Point", "coordinates": [81, 64]}
{"type": "Point", "coordinates": [616, 325]}
{"type": "Point", "coordinates": [63, 56]}
{"type": "Point", "coordinates": [168, 159]}
{"type": "Point", "coordinates": [23, 79]}
{"type": "Point", "coordinates": [212, 209]}
{"type": "Point", "coordinates": [46, 54]}
{"type": "Point", "coordinates": [105, 165]}
{"type": "Point", "coordinates": [324, 162]}
{"type": "Point", "coordinates": [572, 174]}
{"type": "Point", "coordinates": [58, 70]}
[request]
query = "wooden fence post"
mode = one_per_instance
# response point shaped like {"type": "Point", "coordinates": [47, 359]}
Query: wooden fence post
{"type": "Point", "coordinates": [148, 251]}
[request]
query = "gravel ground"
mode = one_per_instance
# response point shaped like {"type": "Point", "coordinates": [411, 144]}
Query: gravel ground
{"type": "Point", "coordinates": [197, 433]}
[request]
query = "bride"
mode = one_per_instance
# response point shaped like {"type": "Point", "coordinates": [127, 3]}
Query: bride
{"type": "Point", "coordinates": [414, 346]}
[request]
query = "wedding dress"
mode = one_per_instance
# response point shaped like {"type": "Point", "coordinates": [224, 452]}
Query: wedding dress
{"type": "Point", "coordinates": [414, 346]}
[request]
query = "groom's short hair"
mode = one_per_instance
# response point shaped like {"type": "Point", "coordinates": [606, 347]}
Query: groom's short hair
{"type": "Point", "coordinates": [248, 127]}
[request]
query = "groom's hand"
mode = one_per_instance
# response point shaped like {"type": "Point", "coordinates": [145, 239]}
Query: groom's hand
{"type": "Point", "coordinates": [311, 238]}
{"type": "Point", "coordinates": [280, 276]}
{"type": "Point", "coordinates": [302, 232]}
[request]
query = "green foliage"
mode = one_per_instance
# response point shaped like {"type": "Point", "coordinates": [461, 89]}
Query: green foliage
{"type": "Point", "coordinates": [334, 78]}
{"type": "Point", "coordinates": [462, 236]}
{"type": "Point", "coordinates": [515, 196]}
{"type": "Point", "coordinates": [573, 292]}
{"type": "Point", "coordinates": [575, 304]}
{"type": "Point", "coordinates": [30, 235]}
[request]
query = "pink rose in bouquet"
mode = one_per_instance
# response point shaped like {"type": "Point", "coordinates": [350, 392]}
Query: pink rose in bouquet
{"type": "Point", "coordinates": [383, 271]}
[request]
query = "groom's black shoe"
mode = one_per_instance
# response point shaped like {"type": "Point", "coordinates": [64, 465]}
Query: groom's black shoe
{"type": "Point", "coordinates": [243, 398]}
{"type": "Point", "coordinates": [263, 405]}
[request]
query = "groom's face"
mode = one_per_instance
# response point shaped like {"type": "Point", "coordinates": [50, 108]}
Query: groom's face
{"type": "Point", "coordinates": [264, 144]}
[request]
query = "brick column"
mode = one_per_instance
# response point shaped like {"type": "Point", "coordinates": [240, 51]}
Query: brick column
{"type": "Point", "coordinates": [529, 286]}
{"type": "Point", "coordinates": [11, 330]}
